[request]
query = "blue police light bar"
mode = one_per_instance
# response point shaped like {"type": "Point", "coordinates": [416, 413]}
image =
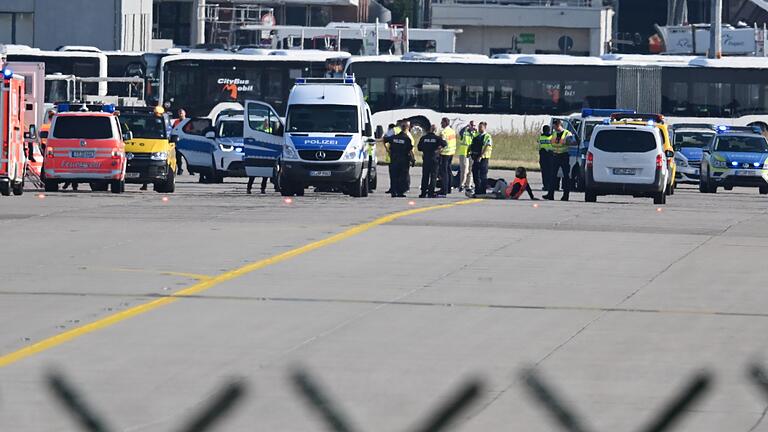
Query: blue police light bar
{"type": "Point", "coordinates": [301, 80]}
{"type": "Point", "coordinates": [7, 73]}
{"type": "Point", "coordinates": [108, 108]}
{"type": "Point", "coordinates": [349, 80]}
{"type": "Point", "coordinates": [604, 112]}
{"type": "Point", "coordinates": [749, 129]}
{"type": "Point", "coordinates": [64, 107]}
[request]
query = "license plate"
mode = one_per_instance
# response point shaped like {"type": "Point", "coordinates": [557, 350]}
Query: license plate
{"type": "Point", "coordinates": [747, 173]}
{"type": "Point", "coordinates": [131, 175]}
{"type": "Point", "coordinates": [83, 154]}
{"type": "Point", "coordinates": [319, 173]}
{"type": "Point", "coordinates": [624, 171]}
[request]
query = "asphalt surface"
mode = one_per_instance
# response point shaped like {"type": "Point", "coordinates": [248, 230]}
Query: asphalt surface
{"type": "Point", "coordinates": [616, 304]}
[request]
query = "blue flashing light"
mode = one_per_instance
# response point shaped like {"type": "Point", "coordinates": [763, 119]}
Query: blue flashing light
{"type": "Point", "coordinates": [756, 164]}
{"type": "Point", "coordinates": [722, 128]}
{"type": "Point", "coordinates": [651, 123]}
{"type": "Point", "coordinates": [301, 80]}
{"type": "Point", "coordinates": [757, 130]}
{"type": "Point", "coordinates": [7, 73]}
{"type": "Point", "coordinates": [62, 107]}
{"type": "Point", "coordinates": [349, 80]}
{"type": "Point", "coordinates": [108, 108]}
{"type": "Point", "coordinates": [734, 163]}
{"type": "Point", "coordinates": [606, 121]}
{"type": "Point", "coordinates": [604, 112]}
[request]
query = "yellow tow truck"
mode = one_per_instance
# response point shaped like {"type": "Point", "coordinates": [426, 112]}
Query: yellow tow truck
{"type": "Point", "coordinates": [151, 153]}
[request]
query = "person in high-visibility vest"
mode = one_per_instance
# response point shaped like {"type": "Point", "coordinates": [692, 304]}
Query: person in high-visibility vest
{"type": "Point", "coordinates": [561, 139]}
{"type": "Point", "coordinates": [545, 154]}
{"type": "Point", "coordinates": [392, 130]}
{"type": "Point", "coordinates": [465, 162]}
{"type": "Point", "coordinates": [446, 156]}
{"type": "Point", "coordinates": [181, 116]}
{"type": "Point", "coordinates": [481, 150]}
{"type": "Point", "coordinates": [266, 127]}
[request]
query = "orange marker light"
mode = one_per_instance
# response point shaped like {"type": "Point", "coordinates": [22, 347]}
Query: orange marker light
{"type": "Point", "coordinates": [41, 196]}
{"type": "Point", "coordinates": [165, 199]}
{"type": "Point", "coordinates": [659, 209]}
{"type": "Point", "coordinates": [288, 200]}
{"type": "Point", "coordinates": [536, 205]}
{"type": "Point", "coordinates": [411, 203]}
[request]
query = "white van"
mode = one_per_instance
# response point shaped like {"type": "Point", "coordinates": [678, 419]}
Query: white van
{"type": "Point", "coordinates": [328, 139]}
{"type": "Point", "coordinates": [627, 160]}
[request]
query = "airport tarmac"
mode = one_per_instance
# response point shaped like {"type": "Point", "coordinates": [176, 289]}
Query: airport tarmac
{"type": "Point", "coordinates": [148, 306]}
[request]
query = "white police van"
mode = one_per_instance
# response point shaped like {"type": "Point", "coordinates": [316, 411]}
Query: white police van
{"type": "Point", "coordinates": [328, 139]}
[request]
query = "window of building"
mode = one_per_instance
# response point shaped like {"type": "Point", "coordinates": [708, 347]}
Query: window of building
{"type": "Point", "coordinates": [172, 21]}
{"type": "Point", "coordinates": [16, 28]}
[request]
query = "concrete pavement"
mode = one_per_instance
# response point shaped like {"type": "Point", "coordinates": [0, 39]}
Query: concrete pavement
{"type": "Point", "coordinates": [617, 304]}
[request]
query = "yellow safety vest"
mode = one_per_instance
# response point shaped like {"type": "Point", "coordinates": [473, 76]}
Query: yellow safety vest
{"type": "Point", "coordinates": [466, 140]}
{"type": "Point", "coordinates": [561, 146]}
{"type": "Point", "coordinates": [487, 146]}
{"type": "Point", "coordinates": [449, 136]}
{"type": "Point", "coordinates": [545, 142]}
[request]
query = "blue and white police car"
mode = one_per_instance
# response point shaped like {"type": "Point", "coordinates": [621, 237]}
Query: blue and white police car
{"type": "Point", "coordinates": [689, 140]}
{"type": "Point", "coordinates": [737, 156]}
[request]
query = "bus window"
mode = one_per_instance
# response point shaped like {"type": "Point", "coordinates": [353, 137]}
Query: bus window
{"type": "Point", "coordinates": [500, 95]}
{"type": "Point", "coordinates": [711, 99]}
{"type": "Point", "coordinates": [462, 93]}
{"type": "Point", "coordinates": [675, 98]}
{"type": "Point", "coordinates": [452, 93]}
{"type": "Point", "coordinates": [474, 94]}
{"type": "Point", "coordinates": [747, 99]}
{"type": "Point", "coordinates": [537, 96]}
{"type": "Point", "coordinates": [416, 92]}
{"type": "Point", "coordinates": [375, 91]}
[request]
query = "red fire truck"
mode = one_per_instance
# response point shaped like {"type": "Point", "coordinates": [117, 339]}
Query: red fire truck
{"type": "Point", "coordinates": [85, 146]}
{"type": "Point", "coordinates": [13, 159]}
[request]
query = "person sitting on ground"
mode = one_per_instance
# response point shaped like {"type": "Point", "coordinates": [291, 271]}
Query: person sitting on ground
{"type": "Point", "coordinates": [514, 190]}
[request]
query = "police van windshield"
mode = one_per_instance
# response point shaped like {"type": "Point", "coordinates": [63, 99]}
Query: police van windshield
{"type": "Point", "coordinates": [231, 128]}
{"type": "Point", "coordinates": [144, 126]}
{"type": "Point", "coordinates": [750, 144]}
{"type": "Point", "coordinates": [693, 139]}
{"type": "Point", "coordinates": [323, 118]}
{"type": "Point", "coordinates": [88, 127]}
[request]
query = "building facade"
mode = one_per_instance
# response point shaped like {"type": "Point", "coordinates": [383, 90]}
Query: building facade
{"type": "Point", "coordinates": [577, 27]}
{"type": "Point", "coordinates": [47, 24]}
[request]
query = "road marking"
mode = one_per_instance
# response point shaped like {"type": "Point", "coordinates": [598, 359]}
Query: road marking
{"type": "Point", "coordinates": [206, 284]}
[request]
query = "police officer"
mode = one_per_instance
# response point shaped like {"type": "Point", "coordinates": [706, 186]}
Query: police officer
{"type": "Point", "coordinates": [561, 139]}
{"type": "Point", "coordinates": [430, 147]}
{"type": "Point", "coordinates": [480, 151]}
{"type": "Point", "coordinates": [446, 156]}
{"type": "Point", "coordinates": [545, 154]}
{"type": "Point", "coordinates": [401, 153]}
{"type": "Point", "coordinates": [266, 127]}
{"type": "Point", "coordinates": [181, 116]}
{"type": "Point", "coordinates": [465, 162]}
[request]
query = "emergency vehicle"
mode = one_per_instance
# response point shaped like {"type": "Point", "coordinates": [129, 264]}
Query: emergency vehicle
{"type": "Point", "coordinates": [86, 146]}
{"type": "Point", "coordinates": [657, 121]}
{"type": "Point", "coordinates": [737, 156]}
{"type": "Point", "coordinates": [151, 151]}
{"type": "Point", "coordinates": [13, 159]}
{"type": "Point", "coordinates": [328, 141]}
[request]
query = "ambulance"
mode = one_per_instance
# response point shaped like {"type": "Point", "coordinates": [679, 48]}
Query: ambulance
{"type": "Point", "coordinates": [85, 146]}
{"type": "Point", "coordinates": [13, 159]}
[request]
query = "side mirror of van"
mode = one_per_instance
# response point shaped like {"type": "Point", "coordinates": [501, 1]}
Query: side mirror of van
{"type": "Point", "coordinates": [367, 132]}
{"type": "Point", "coordinates": [670, 153]}
{"type": "Point", "coordinates": [379, 132]}
{"type": "Point", "coordinates": [44, 134]}
{"type": "Point", "coordinates": [127, 136]}
{"type": "Point", "coordinates": [210, 135]}
{"type": "Point", "coordinates": [174, 139]}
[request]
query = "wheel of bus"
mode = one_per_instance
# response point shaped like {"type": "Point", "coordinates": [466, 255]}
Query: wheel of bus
{"type": "Point", "coordinates": [51, 185]}
{"type": "Point", "coordinates": [168, 185]}
{"type": "Point", "coordinates": [590, 196]}
{"type": "Point", "coordinates": [117, 186]}
{"type": "Point", "coordinates": [18, 187]}
{"type": "Point", "coordinates": [99, 187]}
{"type": "Point", "coordinates": [660, 197]}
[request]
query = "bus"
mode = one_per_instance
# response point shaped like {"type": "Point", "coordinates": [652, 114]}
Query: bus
{"type": "Point", "coordinates": [522, 92]}
{"type": "Point", "coordinates": [200, 82]}
{"type": "Point", "coordinates": [122, 64]}
{"type": "Point", "coordinates": [78, 63]}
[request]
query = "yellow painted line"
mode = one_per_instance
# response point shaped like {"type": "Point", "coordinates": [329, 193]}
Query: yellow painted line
{"type": "Point", "coordinates": [209, 283]}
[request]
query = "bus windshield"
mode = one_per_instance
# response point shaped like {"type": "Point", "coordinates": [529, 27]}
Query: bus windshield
{"type": "Point", "coordinates": [746, 144]}
{"type": "Point", "coordinates": [143, 125]}
{"type": "Point", "coordinates": [693, 139]}
{"type": "Point", "coordinates": [323, 118]}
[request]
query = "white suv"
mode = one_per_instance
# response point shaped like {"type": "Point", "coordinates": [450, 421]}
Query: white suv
{"type": "Point", "coordinates": [627, 160]}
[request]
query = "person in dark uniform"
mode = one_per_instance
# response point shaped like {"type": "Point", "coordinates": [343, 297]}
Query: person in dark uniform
{"type": "Point", "coordinates": [401, 152]}
{"type": "Point", "coordinates": [430, 147]}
